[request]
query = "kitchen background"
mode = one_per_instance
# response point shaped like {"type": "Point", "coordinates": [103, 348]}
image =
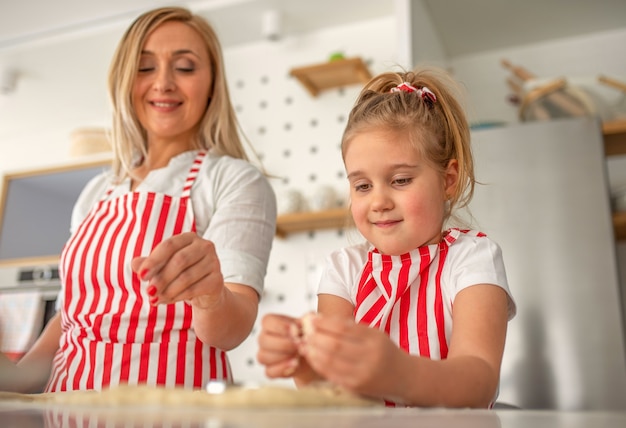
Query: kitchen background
{"type": "Point", "coordinates": [60, 86]}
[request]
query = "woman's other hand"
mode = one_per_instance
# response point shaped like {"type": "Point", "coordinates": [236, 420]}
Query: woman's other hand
{"type": "Point", "coordinates": [183, 267]}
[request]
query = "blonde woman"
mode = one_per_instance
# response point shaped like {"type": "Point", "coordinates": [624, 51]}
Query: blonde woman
{"type": "Point", "coordinates": [168, 253]}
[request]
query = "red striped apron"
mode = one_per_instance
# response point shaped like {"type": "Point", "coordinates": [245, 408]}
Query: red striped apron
{"type": "Point", "coordinates": [111, 334]}
{"type": "Point", "coordinates": [402, 296]}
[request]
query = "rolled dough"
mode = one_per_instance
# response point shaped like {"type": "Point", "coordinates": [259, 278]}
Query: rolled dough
{"type": "Point", "coordinates": [232, 397]}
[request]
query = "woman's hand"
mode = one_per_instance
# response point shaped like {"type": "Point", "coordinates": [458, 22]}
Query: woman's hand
{"type": "Point", "coordinates": [183, 267]}
{"type": "Point", "coordinates": [278, 345]}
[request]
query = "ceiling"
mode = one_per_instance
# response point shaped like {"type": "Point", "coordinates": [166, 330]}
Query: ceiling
{"type": "Point", "coordinates": [23, 22]}
{"type": "Point", "coordinates": [464, 26]}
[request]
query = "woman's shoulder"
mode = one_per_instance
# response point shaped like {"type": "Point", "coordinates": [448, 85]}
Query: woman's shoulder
{"type": "Point", "coordinates": [231, 177]}
{"type": "Point", "coordinates": [224, 164]}
{"type": "Point", "coordinates": [93, 191]}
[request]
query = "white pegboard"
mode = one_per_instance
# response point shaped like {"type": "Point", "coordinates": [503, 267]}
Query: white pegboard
{"type": "Point", "coordinates": [298, 140]}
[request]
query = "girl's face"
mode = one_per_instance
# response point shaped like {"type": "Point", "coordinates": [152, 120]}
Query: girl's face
{"type": "Point", "coordinates": [397, 198]}
{"type": "Point", "coordinates": [173, 83]}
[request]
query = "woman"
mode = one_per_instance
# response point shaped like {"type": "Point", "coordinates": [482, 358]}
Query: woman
{"type": "Point", "coordinates": [165, 265]}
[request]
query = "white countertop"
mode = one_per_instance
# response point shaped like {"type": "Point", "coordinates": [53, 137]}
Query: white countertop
{"type": "Point", "coordinates": [29, 415]}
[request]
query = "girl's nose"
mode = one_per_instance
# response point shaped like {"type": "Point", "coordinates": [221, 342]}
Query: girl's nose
{"type": "Point", "coordinates": [380, 200]}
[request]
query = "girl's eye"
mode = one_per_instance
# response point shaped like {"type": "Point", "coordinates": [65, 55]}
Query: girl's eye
{"type": "Point", "coordinates": [402, 181]}
{"type": "Point", "coordinates": [361, 187]}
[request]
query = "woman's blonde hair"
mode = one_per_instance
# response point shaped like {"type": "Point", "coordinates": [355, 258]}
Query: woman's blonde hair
{"type": "Point", "coordinates": [219, 129]}
{"type": "Point", "coordinates": [438, 129]}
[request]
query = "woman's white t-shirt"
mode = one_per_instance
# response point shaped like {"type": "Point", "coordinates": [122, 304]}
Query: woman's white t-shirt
{"type": "Point", "coordinates": [233, 203]}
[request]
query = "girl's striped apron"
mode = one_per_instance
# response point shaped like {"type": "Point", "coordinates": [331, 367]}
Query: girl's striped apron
{"type": "Point", "coordinates": [111, 334]}
{"type": "Point", "coordinates": [402, 296]}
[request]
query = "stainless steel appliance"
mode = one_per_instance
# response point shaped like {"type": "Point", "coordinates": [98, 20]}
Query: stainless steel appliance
{"type": "Point", "coordinates": [545, 200]}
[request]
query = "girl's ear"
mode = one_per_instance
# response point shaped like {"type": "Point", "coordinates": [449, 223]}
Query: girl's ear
{"type": "Point", "coordinates": [451, 177]}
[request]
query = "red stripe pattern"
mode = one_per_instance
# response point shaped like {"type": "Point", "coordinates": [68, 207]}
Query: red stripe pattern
{"type": "Point", "coordinates": [402, 295]}
{"type": "Point", "coordinates": [111, 334]}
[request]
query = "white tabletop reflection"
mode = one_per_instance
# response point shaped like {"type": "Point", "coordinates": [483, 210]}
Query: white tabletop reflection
{"type": "Point", "coordinates": [30, 415]}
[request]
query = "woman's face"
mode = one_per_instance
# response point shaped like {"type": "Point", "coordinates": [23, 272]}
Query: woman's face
{"type": "Point", "coordinates": [397, 198]}
{"type": "Point", "coordinates": [173, 84]}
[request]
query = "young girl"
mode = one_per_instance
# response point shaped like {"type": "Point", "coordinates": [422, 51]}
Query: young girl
{"type": "Point", "coordinates": [416, 315]}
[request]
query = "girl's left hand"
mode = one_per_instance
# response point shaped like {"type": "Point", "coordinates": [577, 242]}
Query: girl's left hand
{"type": "Point", "coordinates": [351, 355]}
{"type": "Point", "coordinates": [183, 267]}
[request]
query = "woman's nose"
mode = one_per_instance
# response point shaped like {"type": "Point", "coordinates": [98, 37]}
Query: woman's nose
{"type": "Point", "coordinates": [164, 80]}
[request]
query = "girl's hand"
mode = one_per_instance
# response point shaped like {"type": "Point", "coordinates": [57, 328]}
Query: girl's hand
{"type": "Point", "coordinates": [278, 345]}
{"type": "Point", "coordinates": [351, 355]}
{"type": "Point", "coordinates": [183, 267]}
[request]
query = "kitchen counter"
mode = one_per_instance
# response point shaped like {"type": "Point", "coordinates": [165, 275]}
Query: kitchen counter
{"type": "Point", "coordinates": [30, 415]}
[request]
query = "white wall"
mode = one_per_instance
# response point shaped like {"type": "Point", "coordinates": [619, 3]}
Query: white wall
{"type": "Point", "coordinates": [64, 87]}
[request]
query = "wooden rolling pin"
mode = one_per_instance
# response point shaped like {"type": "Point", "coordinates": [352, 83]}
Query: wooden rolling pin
{"type": "Point", "coordinates": [539, 111]}
{"type": "Point", "coordinates": [612, 82]}
{"type": "Point", "coordinates": [556, 97]}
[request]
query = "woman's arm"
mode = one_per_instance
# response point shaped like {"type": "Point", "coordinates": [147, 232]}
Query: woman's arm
{"type": "Point", "coordinates": [31, 373]}
{"type": "Point", "coordinates": [226, 321]}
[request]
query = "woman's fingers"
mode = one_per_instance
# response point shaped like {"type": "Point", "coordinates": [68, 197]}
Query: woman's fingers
{"type": "Point", "coordinates": [180, 268]}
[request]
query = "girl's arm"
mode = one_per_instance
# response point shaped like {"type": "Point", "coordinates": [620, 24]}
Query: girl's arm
{"type": "Point", "coordinates": [367, 362]}
{"type": "Point", "coordinates": [469, 377]}
{"type": "Point", "coordinates": [31, 373]}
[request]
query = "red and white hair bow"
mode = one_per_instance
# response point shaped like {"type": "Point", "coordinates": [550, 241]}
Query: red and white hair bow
{"type": "Point", "coordinates": [423, 92]}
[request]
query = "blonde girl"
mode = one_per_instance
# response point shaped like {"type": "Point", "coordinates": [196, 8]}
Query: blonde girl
{"type": "Point", "coordinates": [417, 314]}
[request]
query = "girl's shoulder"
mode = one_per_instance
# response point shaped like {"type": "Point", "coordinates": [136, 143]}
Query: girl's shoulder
{"type": "Point", "coordinates": [468, 239]}
{"type": "Point", "coordinates": [354, 255]}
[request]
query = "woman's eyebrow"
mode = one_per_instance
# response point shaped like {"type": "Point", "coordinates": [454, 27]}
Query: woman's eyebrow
{"type": "Point", "coordinates": [175, 53]}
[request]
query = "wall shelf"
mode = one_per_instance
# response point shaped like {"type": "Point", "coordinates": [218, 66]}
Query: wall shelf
{"type": "Point", "coordinates": [619, 225]}
{"type": "Point", "coordinates": [615, 144]}
{"type": "Point", "coordinates": [614, 132]}
{"type": "Point", "coordinates": [287, 224]}
{"type": "Point", "coordinates": [332, 74]}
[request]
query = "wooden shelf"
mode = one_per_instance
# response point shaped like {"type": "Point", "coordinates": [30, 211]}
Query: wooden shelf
{"type": "Point", "coordinates": [615, 144]}
{"type": "Point", "coordinates": [614, 132]}
{"type": "Point", "coordinates": [306, 221]}
{"type": "Point", "coordinates": [332, 74]}
{"type": "Point", "coordinates": [619, 225]}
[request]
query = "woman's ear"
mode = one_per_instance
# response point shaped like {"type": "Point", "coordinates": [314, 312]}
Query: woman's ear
{"type": "Point", "coordinates": [451, 177]}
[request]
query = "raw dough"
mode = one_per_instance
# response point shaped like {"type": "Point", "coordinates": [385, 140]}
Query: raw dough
{"type": "Point", "coordinates": [233, 397]}
{"type": "Point", "coordinates": [307, 324]}
{"type": "Point", "coordinates": [304, 326]}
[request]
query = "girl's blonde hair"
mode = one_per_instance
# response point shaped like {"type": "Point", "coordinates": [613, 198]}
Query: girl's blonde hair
{"type": "Point", "coordinates": [219, 129]}
{"type": "Point", "coordinates": [438, 129]}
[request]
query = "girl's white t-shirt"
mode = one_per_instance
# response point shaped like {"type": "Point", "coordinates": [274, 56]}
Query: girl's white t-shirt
{"type": "Point", "coordinates": [470, 261]}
